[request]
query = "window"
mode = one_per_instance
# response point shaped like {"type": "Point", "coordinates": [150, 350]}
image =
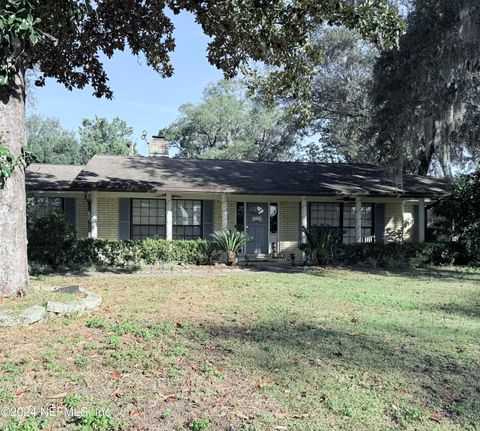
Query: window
{"type": "Point", "coordinates": [325, 214]}
{"type": "Point", "coordinates": [42, 206]}
{"type": "Point", "coordinates": [342, 215]}
{"type": "Point", "coordinates": [273, 218]}
{"type": "Point", "coordinates": [349, 236]}
{"type": "Point", "coordinates": [187, 219]}
{"type": "Point", "coordinates": [240, 224]}
{"type": "Point", "coordinates": [148, 218]}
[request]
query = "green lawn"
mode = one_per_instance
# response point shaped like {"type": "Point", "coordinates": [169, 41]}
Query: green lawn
{"type": "Point", "coordinates": [332, 350]}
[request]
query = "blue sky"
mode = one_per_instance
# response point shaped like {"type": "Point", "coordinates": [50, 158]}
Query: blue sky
{"type": "Point", "coordinates": [142, 98]}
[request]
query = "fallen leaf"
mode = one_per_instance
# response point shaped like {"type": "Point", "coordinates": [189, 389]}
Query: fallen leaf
{"type": "Point", "coordinates": [436, 417]}
{"type": "Point", "coordinates": [117, 393]}
{"type": "Point", "coordinates": [117, 375]}
{"type": "Point", "coordinates": [20, 391]}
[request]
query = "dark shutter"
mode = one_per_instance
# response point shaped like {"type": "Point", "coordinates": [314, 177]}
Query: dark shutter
{"type": "Point", "coordinates": [380, 223]}
{"type": "Point", "coordinates": [415, 224]}
{"type": "Point", "coordinates": [207, 219]}
{"type": "Point", "coordinates": [124, 218]}
{"type": "Point", "coordinates": [69, 209]}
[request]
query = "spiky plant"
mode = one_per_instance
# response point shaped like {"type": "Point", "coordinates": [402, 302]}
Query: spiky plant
{"type": "Point", "coordinates": [230, 242]}
{"type": "Point", "coordinates": [321, 241]}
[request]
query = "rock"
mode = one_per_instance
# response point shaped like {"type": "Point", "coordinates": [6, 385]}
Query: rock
{"type": "Point", "coordinates": [90, 302]}
{"type": "Point", "coordinates": [32, 314]}
{"type": "Point", "coordinates": [8, 320]}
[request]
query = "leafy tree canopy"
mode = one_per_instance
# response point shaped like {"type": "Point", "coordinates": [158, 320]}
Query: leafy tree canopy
{"type": "Point", "coordinates": [36, 33]}
{"type": "Point", "coordinates": [100, 136]}
{"type": "Point", "coordinates": [228, 124]}
{"type": "Point", "coordinates": [420, 90]}
{"type": "Point", "coordinates": [49, 142]}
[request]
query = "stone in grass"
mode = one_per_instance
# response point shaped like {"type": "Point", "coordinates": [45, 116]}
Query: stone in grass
{"type": "Point", "coordinates": [90, 302]}
{"type": "Point", "coordinates": [33, 314]}
{"type": "Point", "coordinates": [7, 320]}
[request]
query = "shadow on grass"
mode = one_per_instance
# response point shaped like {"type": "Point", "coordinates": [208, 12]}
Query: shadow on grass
{"type": "Point", "coordinates": [442, 274]}
{"type": "Point", "coordinates": [445, 384]}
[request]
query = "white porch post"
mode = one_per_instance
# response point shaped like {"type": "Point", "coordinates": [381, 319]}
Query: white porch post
{"type": "Point", "coordinates": [224, 212]}
{"type": "Point", "coordinates": [358, 219]}
{"type": "Point", "coordinates": [421, 220]}
{"type": "Point", "coordinates": [304, 216]}
{"type": "Point", "coordinates": [169, 218]}
{"type": "Point", "coordinates": [93, 215]}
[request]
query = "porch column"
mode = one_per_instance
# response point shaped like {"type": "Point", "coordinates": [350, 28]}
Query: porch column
{"type": "Point", "coordinates": [421, 220]}
{"type": "Point", "coordinates": [224, 212]}
{"type": "Point", "coordinates": [358, 219]}
{"type": "Point", "coordinates": [93, 215]}
{"type": "Point", "coordinates": [304, 216]}
{"type": "Point", "coordinates": [169, 218]}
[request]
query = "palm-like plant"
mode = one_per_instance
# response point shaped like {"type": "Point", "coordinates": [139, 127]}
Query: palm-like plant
{"type": "Point", "coordinates": [321, 241]}
{"type": "Point", "coordinates": [230, 242]}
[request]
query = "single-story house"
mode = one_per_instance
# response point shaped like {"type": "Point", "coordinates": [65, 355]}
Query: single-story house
{"type": "Point", "coordinates": [117, 197]}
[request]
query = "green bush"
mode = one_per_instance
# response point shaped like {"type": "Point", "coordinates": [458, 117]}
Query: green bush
{"type": "Point", "coordinates": [321, 243]}
{"type": "Point", "coordinates": [404, 254]}
{"type": "Point", "coordinates": [461, 212]}
{"type": "Point", "coordinates": [51, 240]}
{"type": "Point", "coordinates": [104, 253]}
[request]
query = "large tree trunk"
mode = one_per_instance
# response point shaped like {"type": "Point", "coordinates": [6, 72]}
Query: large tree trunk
{"type": "Point", "coordinates": [13, 231]}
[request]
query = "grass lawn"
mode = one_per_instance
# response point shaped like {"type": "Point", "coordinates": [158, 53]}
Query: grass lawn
{"type": "Point", "coordinates": [333, 350]}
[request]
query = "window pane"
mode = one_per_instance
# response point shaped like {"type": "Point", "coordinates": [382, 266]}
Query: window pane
{"type": "Point", "coordinates": [325, 214]}
{"type": "Point", "coordinates": [240, 216]}
{"type": "Point", "coordinates": [273, 218]}
{"type": "Point", "coordinates": [148, 218]}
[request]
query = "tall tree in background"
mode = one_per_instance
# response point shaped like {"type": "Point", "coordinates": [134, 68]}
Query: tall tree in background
{"type": "Point", "coordinates": [64, 40]}
{"type": "Point", "coordinates": [100, 136]}
{"type": "Point", "coordinates": [227, 124]}
{"type": "Point", "coordinates": [341, 109]}
{"type": "Point", "coordinates": [49, 142]}
{"type": "Point", "coordinates": [421, 90]}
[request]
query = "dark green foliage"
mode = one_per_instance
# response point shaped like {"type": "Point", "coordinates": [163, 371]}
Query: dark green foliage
{"type": "Point", "coordinates": [229, 124]}
{"type": "Point", "coordinates": [118, 254]}
{"type": "Point", "coordinates": [50, 240]}
{"type": "Point", "coordinates": [67, 40]}
{"type": "Point", "coordinates": [49, 142]}
{"type": "Point", "coordinates": [321, 243]}
{"type": "Point", "coordinates": [397, 255]}
{"type": "Point", "coordinates": [462, 212]}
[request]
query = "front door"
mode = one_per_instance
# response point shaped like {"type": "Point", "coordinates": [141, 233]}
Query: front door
{"type": "Point", "coordinates": [257, 227]}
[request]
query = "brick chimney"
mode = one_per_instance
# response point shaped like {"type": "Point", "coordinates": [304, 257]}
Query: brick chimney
{"type": "Point", "coordinates": [158, 147]}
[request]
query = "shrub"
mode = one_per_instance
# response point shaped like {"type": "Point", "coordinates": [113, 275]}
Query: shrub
{"type": "Point", "coordinates": [121, 254]}
{"type": "Point", "coordinates": [462, 212]}
{"type": "Point", "coordinates": [321, 242]}
{"type": "Point", "coordinates": [395, 255]}
{"type": "Point", "coordinates": [51, 240]}
{"type": "Point", "coordinates": [230, 242]}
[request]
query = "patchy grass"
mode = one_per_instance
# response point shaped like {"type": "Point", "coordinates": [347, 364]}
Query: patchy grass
{"type": "Point", "coordinates": [336, 349]}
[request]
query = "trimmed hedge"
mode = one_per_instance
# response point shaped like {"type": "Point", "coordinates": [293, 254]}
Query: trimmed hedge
{"type": "Point", "coordinates": [150, 251]}
{"type": "Point", "coordinates": [405, 254]}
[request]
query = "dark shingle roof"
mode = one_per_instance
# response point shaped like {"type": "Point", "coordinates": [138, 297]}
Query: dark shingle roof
{"type": "Point", "coordinates": [151, 174]}
{"type": "Point", "coordinates": [51, 177]}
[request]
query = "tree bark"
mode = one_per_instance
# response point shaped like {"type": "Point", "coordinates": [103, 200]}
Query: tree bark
{"type": "Point", "coordinates": [13, 230]}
